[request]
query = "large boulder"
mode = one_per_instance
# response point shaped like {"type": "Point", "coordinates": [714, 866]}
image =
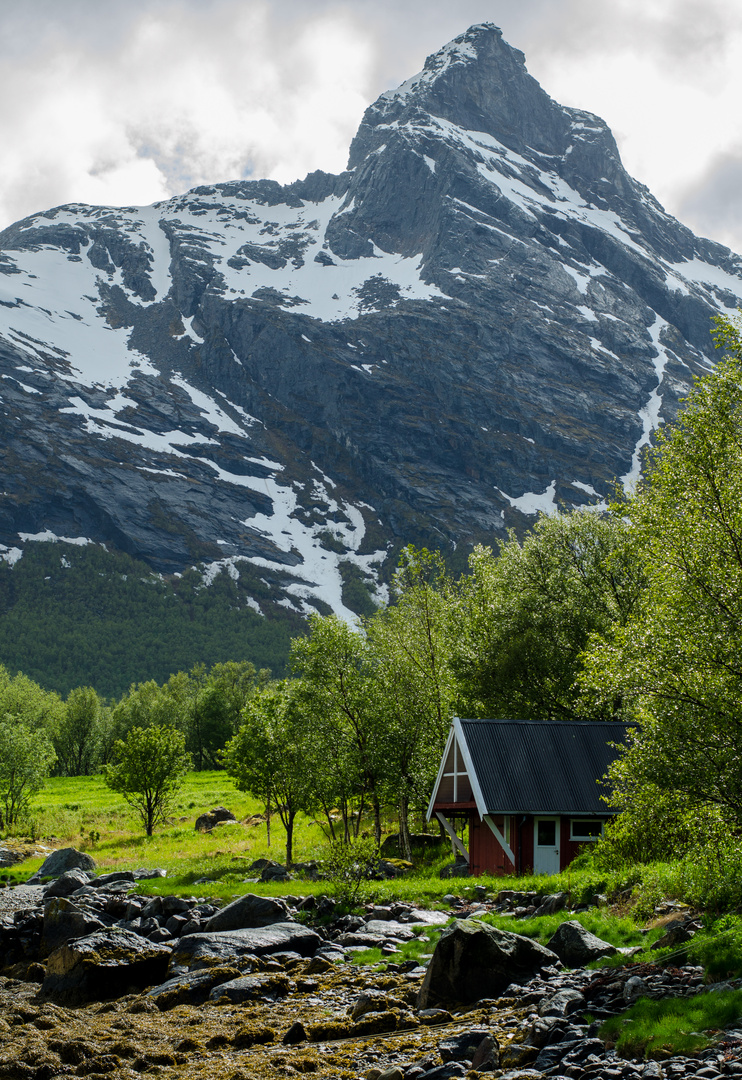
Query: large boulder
{"type": "Point", "coordinates": [59, 862]}
{"type": "Point", "coordinates": [473, 960]}
{"type": "Point", "coordinates": [248, 912]}
{"type": "Point", "coordinates": [208, 821]}
{"type": "Point", "coordinates": [575, 946]}
{"type": "Point", "coordinates": [193, 988]}
{"type": "Point", "coordinates": [224, 947]}
{"type": "Point", "coordinates": [103, 965]}
{"type": "Point", "coordinates": [65, 921]}
{"type": "Point", "coordinates": [67, 883]}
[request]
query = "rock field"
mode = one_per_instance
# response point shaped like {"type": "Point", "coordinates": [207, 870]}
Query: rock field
{"type": "Point", "coordinates": [99, 983]}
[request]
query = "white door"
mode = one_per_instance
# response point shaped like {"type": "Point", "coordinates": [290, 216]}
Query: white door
{"type": "Point", "coordinates": [546, 845]}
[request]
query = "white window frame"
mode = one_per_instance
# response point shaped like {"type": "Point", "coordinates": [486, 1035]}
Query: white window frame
{"type": "Point", "coordinates": [585, 839]}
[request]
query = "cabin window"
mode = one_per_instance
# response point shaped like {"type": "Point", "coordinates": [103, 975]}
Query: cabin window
{"type": "Point", "coordinates": [546, 836]}
{"type": "Point", "coordinates": [586, 829]}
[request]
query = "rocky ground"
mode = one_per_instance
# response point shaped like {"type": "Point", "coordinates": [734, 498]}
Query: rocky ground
{"type": "Point", "coordinates": [282, 997]}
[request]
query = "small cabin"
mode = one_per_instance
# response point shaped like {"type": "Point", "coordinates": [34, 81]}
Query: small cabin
{"type": "Point", "coordinates": [529, 791]}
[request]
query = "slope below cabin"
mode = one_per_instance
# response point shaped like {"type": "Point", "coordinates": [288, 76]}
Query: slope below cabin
{"type": "Point", "coordinates": [530, 792]}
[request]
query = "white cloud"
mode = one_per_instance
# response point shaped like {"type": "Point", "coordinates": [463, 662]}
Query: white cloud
{"type": "Point", "coordinates": [121, 104]}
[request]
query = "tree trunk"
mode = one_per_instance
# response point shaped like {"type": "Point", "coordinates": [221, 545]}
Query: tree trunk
{"type": "Point", "coordinates": [359, 816]}
{"type": "Point", "coordinates": [377, 818]}
{"type": "Point", "coordinates": [289, 826]}
{"type": "Point", "coordinates": [404, 828]}
{"type": "Point", "coordinates": [268, 818]}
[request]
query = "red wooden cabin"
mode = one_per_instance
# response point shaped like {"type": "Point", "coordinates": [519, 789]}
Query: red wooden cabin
{"type": "Point", "coordinates": [530, 791]}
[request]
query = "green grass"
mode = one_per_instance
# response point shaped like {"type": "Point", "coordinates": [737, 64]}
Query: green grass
{"type": "Point", "coordinates": [620, 930]}
{"type": "Point", "coordinates": [651, 1029]}
{"type": "Point", "coordinates": [84, 813]}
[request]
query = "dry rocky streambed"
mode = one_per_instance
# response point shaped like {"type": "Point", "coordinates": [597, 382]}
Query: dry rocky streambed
{"type": "Point", "coordinates": [98, 983]}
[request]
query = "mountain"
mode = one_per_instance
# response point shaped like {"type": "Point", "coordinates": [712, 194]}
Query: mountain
{"type": "Point", "coordinates": [484, 316]}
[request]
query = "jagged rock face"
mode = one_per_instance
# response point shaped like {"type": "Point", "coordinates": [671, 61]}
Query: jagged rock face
{"type": "Point", "coordinates": [483, 317]}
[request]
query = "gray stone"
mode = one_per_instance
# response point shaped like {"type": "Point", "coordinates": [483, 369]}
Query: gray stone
{"type": "Point", "coordinates": [65, 921]}
{"type": "Point", "coordinates": [575, 946]}
{"type": "Point", "coordinates": [487, 1055]}
{"type": "Point", "coordinates": [269, 987]}
{"type": "Point", "coordinates": [553, 1054]}
{"type": "Point", "coordinates": [248, 912]}
{"type": "Point", "coordinates": [551, 904]}
{"type": "Point", "coordinates": [106, 964]}
{"type": "Point", "coordinates": [296, 1034]}
{"type": "Point", "coordinates": [60, 861]}
{"type": "Point", "coordinates": [115, 878]}
{"type": "Point", "coordinates": [193, 988]}
{"type": "Point", "coordinates": [67, 883]}
{"type": "Point", "coordinates": [473, 960]}
{"type": "Point", "coordinates": [225, 946]}
{"type": "Point", "coordinates": [368, 1002]}
{"type": "Point", "coordinates": [462, 1047]}
{"type": "Point", "coordinates": [384, 928]}
{"type": "Point", "coordinates": [563, 1003]}
{"type": "Point", "coordinates": [421, 917]}
{"type": "Point", "coordinates": [206, 822]}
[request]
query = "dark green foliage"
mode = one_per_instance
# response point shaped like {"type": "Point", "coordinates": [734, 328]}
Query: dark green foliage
{"type": "Point", "coordinates": [356, 592]}
{"type": "Point", "coordinates": [106, 621]}
{"type": "Point", "coordinates": [149, 768]}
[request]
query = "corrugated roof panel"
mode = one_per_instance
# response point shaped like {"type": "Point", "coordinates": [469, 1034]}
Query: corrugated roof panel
{"type": "Point", "coordinates": [540, 767]}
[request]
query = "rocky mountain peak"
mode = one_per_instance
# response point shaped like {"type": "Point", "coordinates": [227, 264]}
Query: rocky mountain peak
{"type": "Point", "coordinates": [484, 317]}
{"type": "Point", "coordinates": [476, 82]}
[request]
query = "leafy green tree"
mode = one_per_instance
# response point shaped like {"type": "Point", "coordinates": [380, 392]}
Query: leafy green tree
{"type": "Point", "coordinates": [79, 737]}
{"type": "Point", "coordinates": [677, 662]}
{"type": "Point", "coordinates": [26, 758]}
{"type": "Point", "coordinates": [149, 769]}
{"type": "Point", "coordinates": [524, 616]}
{"type": "Point", "coordinates": [344, 712]}
{"type": "Point", "coordinates": [150, 705]}
{"type": "Point", "coordinates": [22, 698]}
{"type": "Point", "coordinates": [229, 687]}
{"type": "Point", "coordinates": [409, 654]}
{"type": "Point", "coordinates": [267, 756]}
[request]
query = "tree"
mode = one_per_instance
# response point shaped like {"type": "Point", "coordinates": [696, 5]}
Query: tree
{"type": "Point", "coordinates": [410, 658]}
{"type": "Point", "coordinates": [149, 769]}
{"type": "Point", "coordinates": [525, 616]}
{"type": "Point", "coordinates": [26, 758]}
{"type": "Point", "coordinates": [267, 757]}
{"type": "Point", "coordinates": [677, 662]}
{"type": "Point", "coordinates": [78, 740]}
{"type": "Point", "coordinates": [345, 713]}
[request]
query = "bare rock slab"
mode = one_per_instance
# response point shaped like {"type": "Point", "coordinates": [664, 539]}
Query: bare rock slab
{"type": "Point", "coordinates": [248, 912]}
{"type": "Point", "coordinates": [225, 946]}
{"type": "Point", "coordinates": [473, 960]}
{"type": "Point", "coordinates": [103, 965]}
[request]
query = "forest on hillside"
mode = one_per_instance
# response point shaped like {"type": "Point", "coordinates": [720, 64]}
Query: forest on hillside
{"type": "Point", "coordinates": [634, 615]}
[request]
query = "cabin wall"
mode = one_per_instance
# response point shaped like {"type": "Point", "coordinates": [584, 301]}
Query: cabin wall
{"type": "Point", "coordinates": [486, 856]}
{"type": "Point", "coordinates": [570, 849]}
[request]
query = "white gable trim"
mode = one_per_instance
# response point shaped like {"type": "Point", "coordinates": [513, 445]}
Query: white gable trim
{"type": "Point", "coordinates": [441, 770]}
{"type": "Point", "coordinates": [471, 773]}
{"type": "Point", "coordinates": [456, 735]}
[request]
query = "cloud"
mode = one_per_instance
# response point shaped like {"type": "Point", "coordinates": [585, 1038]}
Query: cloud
{"type": "Point", "coordinates": [176, 95]}
{"type": "Point", "coordinates": [129, 103]}
{"type": "Point", "coordinates": [713, 206]}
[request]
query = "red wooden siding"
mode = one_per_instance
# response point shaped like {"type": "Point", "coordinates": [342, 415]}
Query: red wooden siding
{"type": "Point", "coordinates": [485, 853]}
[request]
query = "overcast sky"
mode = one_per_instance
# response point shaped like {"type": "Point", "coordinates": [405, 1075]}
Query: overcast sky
{"type": "Point", "coordinates": [127, 101]}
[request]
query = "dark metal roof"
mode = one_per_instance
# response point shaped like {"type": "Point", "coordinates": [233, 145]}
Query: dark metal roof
{"type": "Point", "coordinates": [540, 767]}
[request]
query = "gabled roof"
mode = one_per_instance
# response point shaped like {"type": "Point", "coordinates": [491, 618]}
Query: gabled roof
{"type": "Point", "coordinates": [534, 766]}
